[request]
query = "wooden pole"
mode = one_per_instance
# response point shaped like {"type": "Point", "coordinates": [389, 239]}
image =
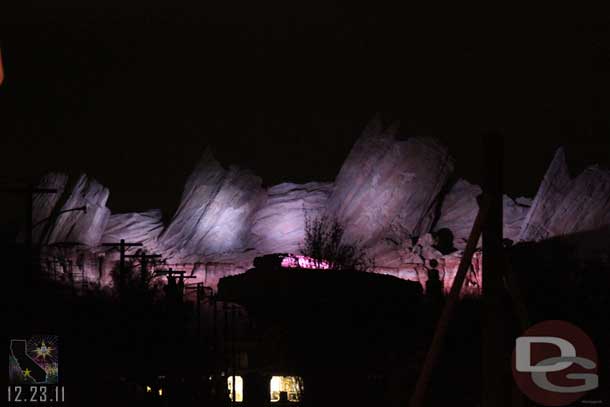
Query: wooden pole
{"type": "Point", "coordinates": [495, 361]}
{"type": "Point", "coordinates": [122, 245]}
{"type": "Point", "coordinates": [417, 399]}
{"type": "Point", "coordinates": [28, 193]}
{"type": "Point", "coordinates": [233, 356]}
{"type": "Point", "coordinates": [199, 299]}
{"type": "Point", "coordinates": [144, 258]}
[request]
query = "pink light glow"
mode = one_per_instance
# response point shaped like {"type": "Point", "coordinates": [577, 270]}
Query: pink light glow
{"type": "Point", "coordinates": [304, 262]}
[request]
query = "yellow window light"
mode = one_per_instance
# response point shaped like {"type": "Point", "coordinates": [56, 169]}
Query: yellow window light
{"type": "Point", "coordinates": [239, 388]}
{"type": "Point", "coordinates": [292, 386]}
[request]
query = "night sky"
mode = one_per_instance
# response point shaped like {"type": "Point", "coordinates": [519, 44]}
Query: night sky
{"type": "Point", "coordinates": [132, 95]}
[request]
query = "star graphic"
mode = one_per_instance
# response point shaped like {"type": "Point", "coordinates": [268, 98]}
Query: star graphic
{"type": "Point", "coordinates": [43, 351]}
{"type": "Point", "coordinates": [26, 372]}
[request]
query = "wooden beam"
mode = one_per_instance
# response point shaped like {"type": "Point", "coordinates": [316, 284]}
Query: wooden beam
{"type": "Point", "coordinates": [417, 399]}
{"type": "Point", "coordinates": [496, 379]}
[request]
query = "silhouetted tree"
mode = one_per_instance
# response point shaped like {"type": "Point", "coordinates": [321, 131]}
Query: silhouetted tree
{"type": "Point", "coordinates": [324, 242]}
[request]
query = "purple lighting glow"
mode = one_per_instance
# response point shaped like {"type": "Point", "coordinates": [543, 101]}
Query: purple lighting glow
{"type": "Point", "coordinates": [304, 262]}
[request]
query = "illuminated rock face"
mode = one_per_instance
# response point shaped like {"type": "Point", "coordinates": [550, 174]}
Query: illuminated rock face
{"type": "Point", "coordinates": [279, 225]}
{"type": "Point", "coordinates": [215, 215]}
{"type": "Point", "coordinates": [44, 205]}
{"type": "Point", "coordinates": [392, 195]}
{"type": "Point", "coordinates": [459, 209]}
{"type": "Point", "coordinates": [56, 222]}
{"type": "Point", "coordinates": [412, 260]}
{"type": "Point", "coordinates": [515, 211]}
{"type": "Point", "coordinates": [564, 205]}
{"type": "Point", "coordinates": [386, 181]}
{"type": "Point", "coordinates": [586, 204]}
{"type": "Point", "coordinates": [144, 227]}
{"type": "Point", "coordinates": [550, 193]}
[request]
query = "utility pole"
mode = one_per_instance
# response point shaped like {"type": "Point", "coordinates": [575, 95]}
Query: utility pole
{"type": "Point", "coordinates": [496, 381]}
{"type": "Point", "coordinates": [200, 294]}
{"type": "Point", "coordinates": [174, 289]}
{"type": "Point", "coordinates": [233, 354]}
{"type": "Point", "coordinates": [66, 250]}
{"type": "Point", "coordinates": [122, 246]}
{"type": "Point", "coordinates": [144, 261]}
{"type": "Point", "coordinates": [495, 355]}
{"type": "Point", "coordinates": [214, 344]}
{"type": "Point", "coordinates": [432, 357]}
{"type": "Point", "coordinates": [225, 358]}
{"type": "Point", "coordinates": [199, 299]}
{"type": "Point", "coordinates": [28, 193]}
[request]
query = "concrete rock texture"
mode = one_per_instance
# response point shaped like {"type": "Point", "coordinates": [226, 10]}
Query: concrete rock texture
{"type": "Point", "coordinates": [216, 213]}
{"type": "Point", "coordinates": [57, 217]}
{"type": "Point", "coordinates": [386, 181]}
{"type": "Point", "coordinates": [394, 195]}
{"type": "Point", "coordinates": [564, 205]}
{"type": "Point", "coordinates": [279, 224]}
{"type": "Point", "coordinates": [142, 227]}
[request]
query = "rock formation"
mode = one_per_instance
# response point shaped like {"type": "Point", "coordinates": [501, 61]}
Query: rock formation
{"type": "Point", "coordinates": [563, 205]}
{"type": "Point", "coordinates": [515, 211]}
{"type": "Point", "coordinates": [144, 227]}
{"type": "Point", "coordinates": [45, 206]}
{"type": "Point", "coordinates": [215, 215]}
{"type": "Point", "coordinates": [398, 197]}
{"type": "Point", "coordinates": [459, 209]}
{"type": "Point", "coordinates": [386, 181]}
{"type": "Point", "coordinates": [62, 217]}
{"type": "Point", "coordinates": [279, 225]}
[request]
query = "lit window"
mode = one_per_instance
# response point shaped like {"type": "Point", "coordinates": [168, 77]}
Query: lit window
{"type": "Point", "coordinates": [290, 386]}
{"type": "Point", "coordinates": [239, 388]}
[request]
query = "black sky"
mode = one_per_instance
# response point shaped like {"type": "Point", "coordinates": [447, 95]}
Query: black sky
{"type": "Point", "coordinates": [132, 95]}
